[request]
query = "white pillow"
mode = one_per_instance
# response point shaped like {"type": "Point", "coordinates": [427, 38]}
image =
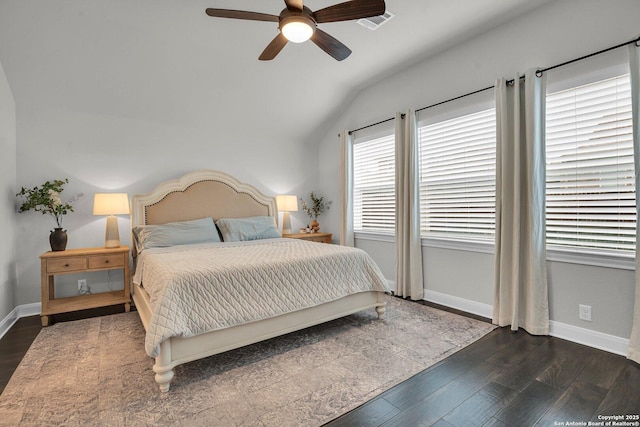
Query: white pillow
{"type": "Point", "coordinates": [175, 233]}
{"type": "Point", "coordinates": [252, 228]}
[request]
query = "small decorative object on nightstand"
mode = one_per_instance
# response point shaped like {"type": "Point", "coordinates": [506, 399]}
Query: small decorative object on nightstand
{"type": "Point", "coordinates": [46, 199]}
{"type": "Point", "coordinates": [78, 261]}
{"type": "Point", "coordinates": [316, 208]}
{"type": "Point", "coordinates": [314, 237]}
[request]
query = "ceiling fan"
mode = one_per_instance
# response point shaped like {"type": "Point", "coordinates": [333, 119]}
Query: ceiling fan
{"type": "Point", "coordinates": [297, 23]}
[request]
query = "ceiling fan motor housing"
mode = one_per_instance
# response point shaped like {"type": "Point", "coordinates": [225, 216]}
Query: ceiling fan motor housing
{"type": "Point", "coordinates": [301, 25]}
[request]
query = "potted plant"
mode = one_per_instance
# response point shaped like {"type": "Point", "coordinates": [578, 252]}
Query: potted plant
{"type": "Point", "coordinates": [46, 199]}
{"type": "Point", "coordinates": [314, 209]}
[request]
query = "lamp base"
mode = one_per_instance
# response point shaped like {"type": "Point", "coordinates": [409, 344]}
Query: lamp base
{"type": "Point", "coordinates": [286, 223]}
{"type": "Point", "coordinates": [112, 235]}
{"type": "Point", "coordinates": [111, 244]}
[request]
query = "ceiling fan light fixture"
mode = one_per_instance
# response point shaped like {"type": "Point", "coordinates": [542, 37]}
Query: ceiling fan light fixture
{"type": "Point", "coordinates": [297, 30]}
{"type": "Point", "coordinates": [297, 23]}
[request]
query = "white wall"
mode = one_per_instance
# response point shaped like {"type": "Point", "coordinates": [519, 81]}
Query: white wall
{"type": "Point", "coordinates": [100, 153]}
{"type": "Point", "coordinates": [7, 196]}
{"type": "Point", "coordinates": [556, 32]}
{"type": "Point", "coordinates": [120, 98]}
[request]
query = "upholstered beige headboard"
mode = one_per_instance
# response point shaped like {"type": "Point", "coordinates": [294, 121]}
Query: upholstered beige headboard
{"type": "Point", "coordinates": [200, 194]}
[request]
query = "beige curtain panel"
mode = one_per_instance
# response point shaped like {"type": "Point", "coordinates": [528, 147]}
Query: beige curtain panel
{"type": "Point", "coordinates": [633, 352]}
{"type": "Point", "coordinates": [521, 291]}
{"type": "Point", "coordinates": [409, 281]}
{"type": "Point", "coordinates": [346, 189]}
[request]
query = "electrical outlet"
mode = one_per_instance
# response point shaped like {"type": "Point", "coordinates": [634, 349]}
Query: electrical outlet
{"type": "Point", "coordinates": [82, 286]}
{"type": "Point", "coordinates": [584, 312]}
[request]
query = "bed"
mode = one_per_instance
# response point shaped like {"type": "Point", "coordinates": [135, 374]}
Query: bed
{"type": "Point", "coordinates": [216, 195]}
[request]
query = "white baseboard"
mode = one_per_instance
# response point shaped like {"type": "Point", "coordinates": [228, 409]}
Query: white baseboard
{"type": "Point", "coordinates": [595, 339]}
{"type": "Point", "coordinates": [8, 321]}
{"type": "Point", "coordinates": [18, 312]}
{"type": "Point", "coordinates": [32, 309]}
{"type": "Point", "coordinates": [473, 307]}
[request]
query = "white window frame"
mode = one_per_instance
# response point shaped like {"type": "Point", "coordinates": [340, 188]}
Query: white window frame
{"type": "Point", "coordinates": [467, 106]}
{"type": "Point", "coordinates": [559, 79]}
{"type": "Point", "coordinates": [383, 133]}
{"type": "Point", "coordinates": [575, 76]}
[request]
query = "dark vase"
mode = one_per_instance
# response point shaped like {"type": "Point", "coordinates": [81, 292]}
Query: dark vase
{"type": "Point", "coordinates": [58, 239]}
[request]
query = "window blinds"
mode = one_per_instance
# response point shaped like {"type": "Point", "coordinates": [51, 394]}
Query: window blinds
{"type": "Point", "coordinates": [374, 185]}
{"type": "Point", "coordinates": [457, 177]}
{"type": "Point", "coordinates": [590, 172]}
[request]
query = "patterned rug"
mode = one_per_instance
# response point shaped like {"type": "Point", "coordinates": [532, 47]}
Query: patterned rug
{"type": "Point", "coordinates": [96, 372]}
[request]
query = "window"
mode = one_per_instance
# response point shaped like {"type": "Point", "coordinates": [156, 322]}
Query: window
{"type": "Point", "coordinates": [590, 173]}
{"type": "Point", "coordinates": [374, 194]}
{"type": "Point", "coordinates": [457, 177]}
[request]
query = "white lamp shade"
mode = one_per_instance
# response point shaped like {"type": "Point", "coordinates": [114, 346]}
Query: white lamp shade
{"type": "Point", "coordinates": [287, 203]}
{"type": "Point", "coordinates": [110, 204]}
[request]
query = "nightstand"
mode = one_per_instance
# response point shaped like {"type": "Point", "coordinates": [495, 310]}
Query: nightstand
{"type": "Point", "coordinates": [79, 261]}
{"type": "Point", "coordinates": [314, 237]}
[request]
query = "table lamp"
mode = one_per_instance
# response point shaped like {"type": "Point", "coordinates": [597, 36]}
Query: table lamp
{"type": "Point", "coordinates": [286, 204]}
{"type": "Point", "coordinates": [111, 204]}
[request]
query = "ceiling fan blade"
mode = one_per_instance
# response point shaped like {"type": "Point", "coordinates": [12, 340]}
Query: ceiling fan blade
{"type": "Point", "coordinates": [241, 14]}
{"type": "Point", "coordinates": [330, 45]}
{"type": "Point", "coordinates": [273, 48]}
{"type": "Point", "coordinates": [294, 5]}
{"type": "Point", "coordinates": [349, 10]}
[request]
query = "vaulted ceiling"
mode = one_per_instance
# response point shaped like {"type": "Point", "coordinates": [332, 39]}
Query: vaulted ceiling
{"type": "Point", "coordinates": [166, 60]}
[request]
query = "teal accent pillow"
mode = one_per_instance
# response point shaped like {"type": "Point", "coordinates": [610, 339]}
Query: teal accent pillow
{"type": "Point", "coordinates": [175, 233]}
{"type": "Point", "coordinates": [252, 228]}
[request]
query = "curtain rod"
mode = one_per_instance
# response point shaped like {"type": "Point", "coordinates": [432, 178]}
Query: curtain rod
{"type": "Point", "coordinates": [371, 125]}
{"type": "Point", "coordinates": [636, 41]}
{"type": "Point", "coordinates": [423, 108]}
{"type": "Point", "coordinates": [457, 97]}
{"type": "Point", "coordinates": [510, 82]}
{"type": "Point", "coordinates": [553, 67]}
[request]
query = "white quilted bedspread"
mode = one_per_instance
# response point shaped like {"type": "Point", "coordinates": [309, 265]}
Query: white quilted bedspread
{"type": "Point", "coordinates": [200, 288]}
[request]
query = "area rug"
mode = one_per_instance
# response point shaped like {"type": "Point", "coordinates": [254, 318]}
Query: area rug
{"type": "Point", "coordinates": [96, 372]}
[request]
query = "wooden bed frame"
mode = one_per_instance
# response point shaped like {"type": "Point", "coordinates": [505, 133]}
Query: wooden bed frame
{"type": "Point", "coordinates": [211, 193]}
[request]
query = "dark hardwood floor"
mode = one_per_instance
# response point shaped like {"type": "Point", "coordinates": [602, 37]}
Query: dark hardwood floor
{"type": "Point", "coordinates": [503, 379]}
{"type": "Point", "coordinates": [509, 379]}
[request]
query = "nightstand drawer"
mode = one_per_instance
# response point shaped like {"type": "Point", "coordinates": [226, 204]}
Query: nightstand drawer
{"type": "Point", "coordinates": [313, 237]}
{"type": "Point", "coordinates": [106, 261]}
{"type": "Point", "coordinates": [67, 264]}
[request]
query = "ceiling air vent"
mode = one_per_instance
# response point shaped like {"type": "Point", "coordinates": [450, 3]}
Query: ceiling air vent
{"type": "Point", "coordinates": [374, 22]}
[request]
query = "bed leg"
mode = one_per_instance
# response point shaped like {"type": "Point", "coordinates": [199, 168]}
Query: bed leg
{"type": "Point", "coordinates": [381, 309]}
{"type": "Point", "coordinates": [164, 379]}
{"type": "Point", "coordinates": [163, 367]}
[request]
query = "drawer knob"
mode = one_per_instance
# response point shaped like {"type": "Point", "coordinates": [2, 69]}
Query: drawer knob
{"type": "Point", "coordinates": [66, 265]}
{"type": "Point", "coordinates": [106, 262]}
